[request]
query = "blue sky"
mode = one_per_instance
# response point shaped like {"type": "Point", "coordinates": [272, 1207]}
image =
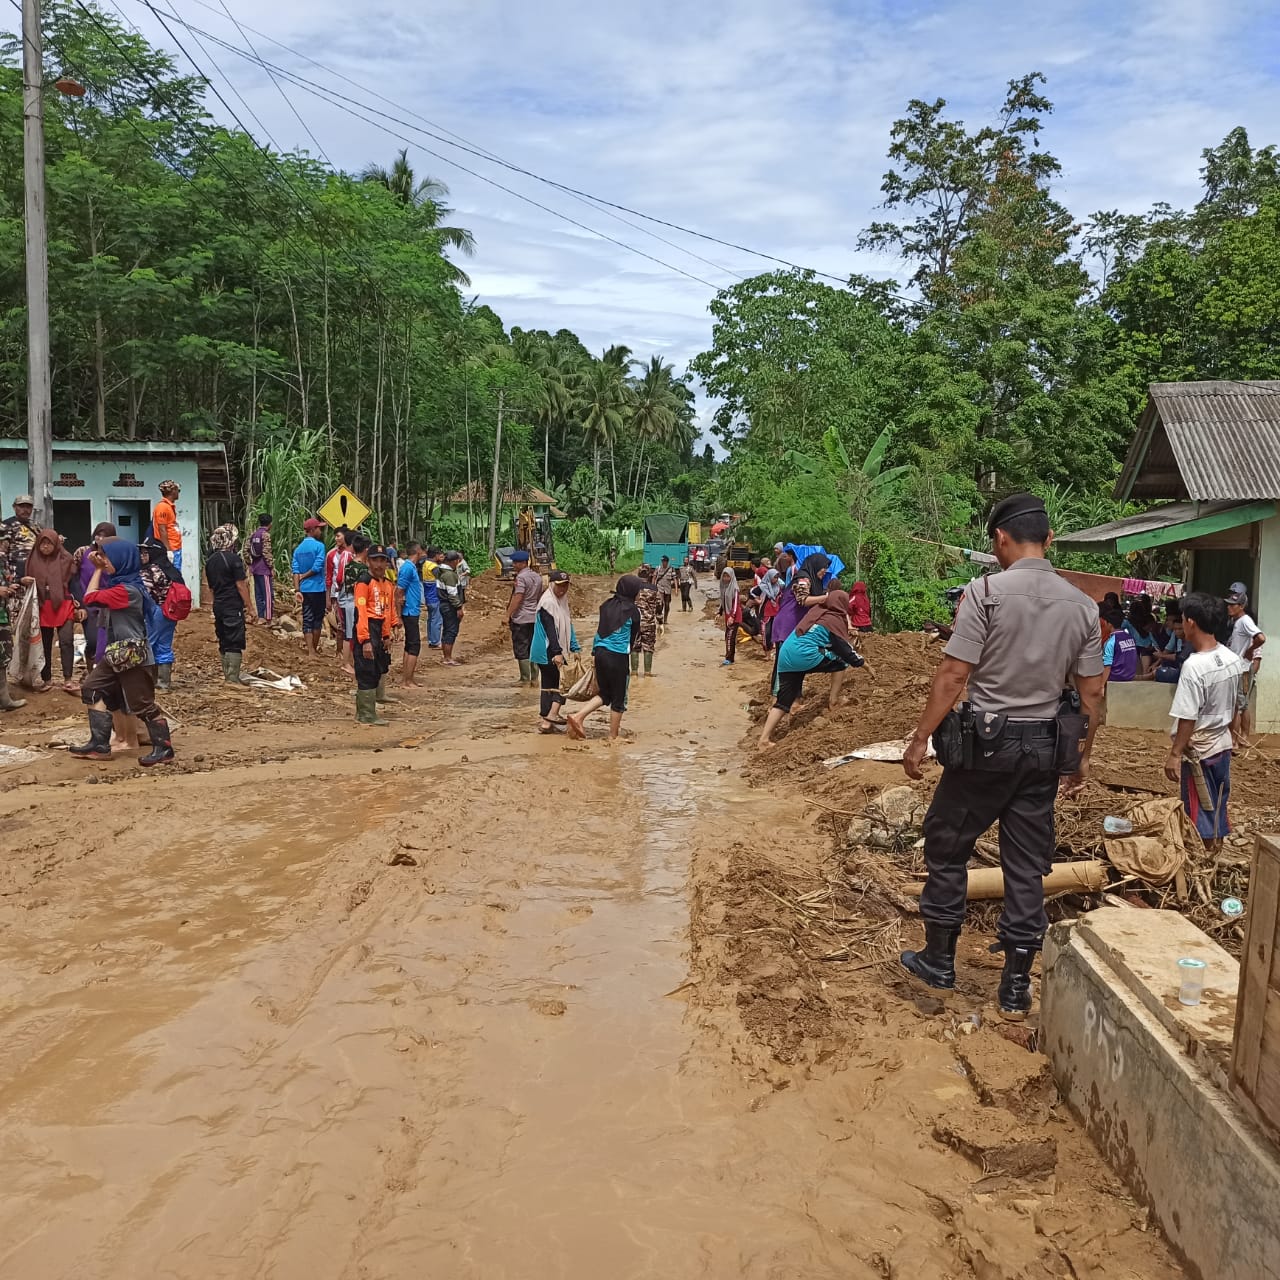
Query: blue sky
{"type": "Point", "coordinates": [761, 121]}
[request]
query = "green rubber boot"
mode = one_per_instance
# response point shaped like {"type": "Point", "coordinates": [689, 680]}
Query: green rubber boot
{"type": "Point", "coordinates": [635, 662]}
{"type": "Point", "coordinates": [381, 692]}
{"type": "Point", "coordinates": [367, 707]}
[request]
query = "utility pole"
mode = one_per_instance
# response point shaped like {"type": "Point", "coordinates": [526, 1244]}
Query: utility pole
{"type": "Point", "coordinates": [39, 425]}
{"type": "Point", "coordinates": [493, 488]}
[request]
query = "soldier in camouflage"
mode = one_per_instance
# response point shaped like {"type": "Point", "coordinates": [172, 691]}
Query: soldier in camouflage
{"type": "Point", "coordinates": [10, 591]}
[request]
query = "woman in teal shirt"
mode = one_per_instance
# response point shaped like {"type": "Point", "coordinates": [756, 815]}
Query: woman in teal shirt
{"type": "Point", "coordinates": [616, 636]}
{"type": "Point", "coordinates": [819, 643]}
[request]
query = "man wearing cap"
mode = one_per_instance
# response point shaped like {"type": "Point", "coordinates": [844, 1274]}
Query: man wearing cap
{"type": "Point", "coordinates": [1245, 642]}
{"type": "Point", "coordinates": [164, 521]}
{"type": "Point", "coordinates": [308, 582]}
{"type": "Point", "coordinates": [376, 620]}
{"type": "Point", "coordinates": [522, 613]}
{"type": "Point", "coordinates": [10, 593]}
{"type": "Point", "coordinates": [409, 607]}
{"type": "Point", "coordinates": [453, 602]}
{"type": "Point", "coordinates": [1019, 637]}
{"type": "Point", "coordinates": [22, 533]}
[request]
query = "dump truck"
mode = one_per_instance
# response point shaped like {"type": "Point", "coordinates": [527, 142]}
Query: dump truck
{"type": "Point", "coordinates": [666, 535]}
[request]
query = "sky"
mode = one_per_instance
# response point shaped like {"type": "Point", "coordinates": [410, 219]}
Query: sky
{"type": "Point", "coordinates": [761, 122]}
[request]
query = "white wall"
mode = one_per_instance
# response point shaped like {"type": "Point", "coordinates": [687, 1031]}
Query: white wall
{"type": "Point", "coordinates": [1268, 714]}
{"type": "Point", "coordinates": [99, 472]}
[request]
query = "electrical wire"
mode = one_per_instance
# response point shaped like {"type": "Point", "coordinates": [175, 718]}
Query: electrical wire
{"type": "Point", "coordinates": [438, 133]}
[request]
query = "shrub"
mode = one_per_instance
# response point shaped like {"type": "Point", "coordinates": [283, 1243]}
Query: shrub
{"type": "Point", "coordinates": [898, 603]}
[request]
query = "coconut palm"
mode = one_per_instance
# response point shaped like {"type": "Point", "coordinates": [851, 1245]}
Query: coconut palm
{"type": "Point", "coordinates": [654, 406]}
{"type": "Point", "coordinates": [603, 407]}
{"type": "Point", "coordinates": [428, 195]}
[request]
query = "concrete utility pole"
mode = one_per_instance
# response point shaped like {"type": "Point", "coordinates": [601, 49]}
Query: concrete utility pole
{"type": "Point", "coordinates": [39, 424]}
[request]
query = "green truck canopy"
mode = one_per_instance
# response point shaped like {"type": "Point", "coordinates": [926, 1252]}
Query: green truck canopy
{"type": "Point", "coordinates": [666, 530]}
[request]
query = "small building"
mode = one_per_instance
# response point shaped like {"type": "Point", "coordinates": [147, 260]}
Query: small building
{"type": "Point", "coordinates": [475, 497]}
{"type": "Point", "coordinates": [118, 481]}
{"type": "Point", "coordinates": [1213, 450]}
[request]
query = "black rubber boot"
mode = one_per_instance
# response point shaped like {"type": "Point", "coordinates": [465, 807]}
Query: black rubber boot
{"type": "Point", "coordinates": [164, 676]}
{"type": "Point", "coordinates": [161, 747]}
{"type": "Point", "coordinates": [1015, 981]}
{"type": "Point", "coordinates": [99, 744]}
{"type": "Point", "coordinates": [936, 964]}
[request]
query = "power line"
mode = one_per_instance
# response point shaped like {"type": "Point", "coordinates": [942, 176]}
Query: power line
{"type": "Point", "coordinates": [438, 132]}
{"type": "Point", "coordinates": [327, 95]}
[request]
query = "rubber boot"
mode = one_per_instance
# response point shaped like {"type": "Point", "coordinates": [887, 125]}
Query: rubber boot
{"type": "Point", "coordinates": [231, 667]}
{"type": "Point", "coordinates": [367, 707]}
{"type": "Point", "coordinates": [161, 747]}
{"type": "Point", "coordinates": [7, 701]}
{"type": "Point", "coordinates": [635, 662]}
{"type": "Point", "coordinates": [648, 662]}
{"type": "Point", "coordinates": [936, 964]}
{"type": "Point", "coordinates": [99, 744]}
{"type": "Point", "coordinates": [164, 675]}
{"type": "Point", "coordinates": [1015, 981]}
{"type": "Point", "coordinates": [381, 692]}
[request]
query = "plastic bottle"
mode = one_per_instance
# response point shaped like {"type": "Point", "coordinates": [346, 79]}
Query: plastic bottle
{"type": "Point", "coordinates": [1117, 826]}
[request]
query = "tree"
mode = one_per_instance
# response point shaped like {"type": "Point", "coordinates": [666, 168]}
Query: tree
{"type": "Point", "coordinates": [604, 401]}
{"type": "Point", "coordinates": [428, 195]}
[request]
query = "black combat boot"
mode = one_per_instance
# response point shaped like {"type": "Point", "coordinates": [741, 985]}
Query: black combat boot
{"type": "Point", "coordinates": [1015, 981]}
{"type": "Point", "coordinates": [99, 744]}
{"type": "Point", "coordinates": [936, 964]}
{"type": "Point", "coordinates": [161, 747]}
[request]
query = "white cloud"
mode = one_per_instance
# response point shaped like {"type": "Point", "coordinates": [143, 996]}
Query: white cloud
{"type": "Point", "coordinates": [762, 123]}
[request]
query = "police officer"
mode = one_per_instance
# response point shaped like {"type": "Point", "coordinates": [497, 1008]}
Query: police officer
{"type": "Point", "coordinates": [1020, 636]}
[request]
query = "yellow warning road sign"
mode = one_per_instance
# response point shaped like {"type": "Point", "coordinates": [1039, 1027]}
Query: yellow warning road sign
{"type": "Point", "coordinates": [343, 508]}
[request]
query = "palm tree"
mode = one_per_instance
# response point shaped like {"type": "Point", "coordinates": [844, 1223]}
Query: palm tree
{"type": "Point", "coordinates": [427, 195]}
{"type": "Point", "coordinates": [559, 378]}
{"type": "Point", "coordinates": [653, 411]}
{"type": "Point", "coordinates": [604, 400]}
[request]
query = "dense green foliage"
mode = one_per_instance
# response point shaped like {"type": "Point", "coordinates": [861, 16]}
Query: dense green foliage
{"type": "Point", "coordinates": [883, 421]}
{"type": "Point", "coordinates": [204, 287]}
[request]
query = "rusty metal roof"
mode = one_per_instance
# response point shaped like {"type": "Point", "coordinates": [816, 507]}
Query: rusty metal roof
{"type": "Point", "coordinates": [1207, 441]}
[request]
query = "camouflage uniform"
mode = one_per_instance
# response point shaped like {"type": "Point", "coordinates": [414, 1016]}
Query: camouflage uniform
{"type": "Point", "coordinates": [7, 579]}
{"type": "Point", "coordinates": [22, 541]}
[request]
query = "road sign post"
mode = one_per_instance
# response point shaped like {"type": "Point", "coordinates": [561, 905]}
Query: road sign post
{"type": "Point", "coordinates": [343, 508]}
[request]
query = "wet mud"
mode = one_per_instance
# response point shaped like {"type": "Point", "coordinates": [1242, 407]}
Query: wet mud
{"type": "Point", "coordinates": [489, 1005]}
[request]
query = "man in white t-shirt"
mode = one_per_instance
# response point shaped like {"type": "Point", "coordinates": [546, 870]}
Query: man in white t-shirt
{"type": "Point", "coordinates": [1246, 642]}
{"type": "Point", "coordinates": [1204, 707]}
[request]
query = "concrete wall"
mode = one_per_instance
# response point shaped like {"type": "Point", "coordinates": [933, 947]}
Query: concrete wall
{"type": "Point", "coordinates": [1147, 1078]}
{"type": "Point", "coordinates": [1139, 704]}
{"type": "Point", "coordinates": [1268, 613]}
{"type": "Point", "coordinates": [99, 474]}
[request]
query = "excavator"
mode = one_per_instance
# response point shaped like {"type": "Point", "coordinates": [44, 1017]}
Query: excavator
{"type": "Point", "coordinates": [533, 534]}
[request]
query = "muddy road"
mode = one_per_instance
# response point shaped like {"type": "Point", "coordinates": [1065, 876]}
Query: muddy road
{"type": "Point", "coordinates": [379, 1011]}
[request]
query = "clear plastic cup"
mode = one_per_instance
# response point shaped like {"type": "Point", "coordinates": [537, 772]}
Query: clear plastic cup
{"type": "Point", "coordinates": [1190, 980]}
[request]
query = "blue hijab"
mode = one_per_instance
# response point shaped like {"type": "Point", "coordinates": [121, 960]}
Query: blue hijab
{"type": "Point", "coordinates": [126, 563]}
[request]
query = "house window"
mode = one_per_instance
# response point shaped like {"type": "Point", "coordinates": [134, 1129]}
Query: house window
{"type": "Point", "coordinates": [127, 480]}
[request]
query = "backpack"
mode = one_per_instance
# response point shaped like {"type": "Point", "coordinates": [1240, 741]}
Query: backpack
{"type": "Point", "coordinates": [177, 602]}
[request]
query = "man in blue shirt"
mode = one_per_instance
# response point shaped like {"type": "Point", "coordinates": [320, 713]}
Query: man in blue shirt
{"type": "Point", "coordinates": [409, 607]}
{"type": "Point", "coordinates": [308, 583]}
{"type": "Point", "coordinates": [431, 596]}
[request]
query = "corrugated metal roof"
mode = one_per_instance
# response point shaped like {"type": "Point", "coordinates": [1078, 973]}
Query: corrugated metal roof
{"type": "Point", "coordinates": [1119, 536]}
{"type": "Point", "coordinates": [1209, 441]}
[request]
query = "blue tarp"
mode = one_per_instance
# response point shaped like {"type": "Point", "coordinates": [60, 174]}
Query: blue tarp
{"type": "Point", "coordinates": [802, 551]}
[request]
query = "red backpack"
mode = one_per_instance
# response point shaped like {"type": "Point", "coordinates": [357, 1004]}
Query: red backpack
{"type": "Point", "coordinates": [177, 602]}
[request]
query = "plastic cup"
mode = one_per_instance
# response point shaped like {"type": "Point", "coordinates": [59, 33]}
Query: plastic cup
{"type": "Point", "coordinates": [1190, 980]}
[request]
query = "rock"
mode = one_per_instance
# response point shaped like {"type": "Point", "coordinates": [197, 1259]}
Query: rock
{"type": "Point", "coordinates": [897, 808]}
{"type": "Point", "coordinates": [859, 831]}
{"type": "Point", "coordinates": [399, 858]}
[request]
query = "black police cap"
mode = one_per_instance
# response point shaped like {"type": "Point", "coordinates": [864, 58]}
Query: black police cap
{"type": "Point", "coordinates": [1016, 504]}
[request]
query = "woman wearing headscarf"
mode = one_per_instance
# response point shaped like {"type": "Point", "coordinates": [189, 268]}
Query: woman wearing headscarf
{"type": "Point", "coordinates": [860, 607]}
{"type": "Point", "coordinates": [228, 581]}
{"type": "Point", "coordinates": [158, 574]}
{"type": "Point", "coordinates": [51, 568]}
{"type": "Point", "coordinates": [94, 622]}
{"type": "Point", "coordinates": [770, 587]}
{"type": "Point", "coordinates": [649, 603]}
{"type": "Point", "coordinates": [820, 642]}
{"type": "Point", "coordinates": [124, 681]}
{"type": "Point", "coordinates": [731, 611]}
{"type": "Point", "coordinates": [617, 635]}
{"type": "Point", "coordinates": [554, 639]}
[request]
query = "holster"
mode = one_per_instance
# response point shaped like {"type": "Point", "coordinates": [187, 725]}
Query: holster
{"type": "Point", "coordinates": [1073, 731]}
{"type": "Point", "coordinates": [954, 739]}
